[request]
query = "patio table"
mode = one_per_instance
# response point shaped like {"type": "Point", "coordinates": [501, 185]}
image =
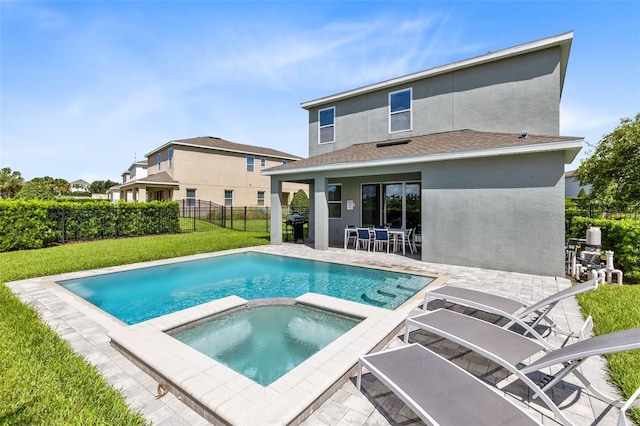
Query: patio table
{"type": "Point", "coordinates": [392, 232]}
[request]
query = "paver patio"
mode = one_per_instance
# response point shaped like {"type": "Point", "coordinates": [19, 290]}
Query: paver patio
{"type": "Point", "coordinates": [374, 405]}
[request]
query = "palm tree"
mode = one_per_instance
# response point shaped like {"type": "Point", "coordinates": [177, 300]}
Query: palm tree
{"type": "Point", "coordinates": [10, 182]}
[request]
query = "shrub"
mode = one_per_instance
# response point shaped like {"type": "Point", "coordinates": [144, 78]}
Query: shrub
{"type": "Point", "coordinates": [25, 225]}
{"type": "Point", "coordinates": [35, 224]}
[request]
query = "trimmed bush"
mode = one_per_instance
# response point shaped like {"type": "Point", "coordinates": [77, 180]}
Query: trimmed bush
{"type": "Point", "coordinates": [36, 224]}
{"type": "Point", "coordinates": [25, 225]}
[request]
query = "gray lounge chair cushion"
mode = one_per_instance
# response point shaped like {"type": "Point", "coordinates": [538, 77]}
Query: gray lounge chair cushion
{"type": "Point", "coordinates": [510, 346]}
{"type": "Point", "coordinates": [440, 392]}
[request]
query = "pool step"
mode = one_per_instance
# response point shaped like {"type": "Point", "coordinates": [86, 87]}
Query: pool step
{"type": "Point", "coordinates": [395, 291]}
{"type": "Point", "coordinates": [374, 298]}
{"type": "Point", "coordinates": [406, 285]}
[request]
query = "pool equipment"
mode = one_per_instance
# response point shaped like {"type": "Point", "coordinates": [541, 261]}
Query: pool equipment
{"type": "Point", "coordinates": [583, 258]}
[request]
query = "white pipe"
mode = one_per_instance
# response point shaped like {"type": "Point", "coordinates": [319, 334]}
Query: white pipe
{"type": "Point", "coordinates": [609, 254]}
{"type": "Point", "coordinates": [602, 275]}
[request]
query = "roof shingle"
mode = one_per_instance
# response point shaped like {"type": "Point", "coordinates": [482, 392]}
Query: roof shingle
{"type": "Point", "coordinates": [458, 141]}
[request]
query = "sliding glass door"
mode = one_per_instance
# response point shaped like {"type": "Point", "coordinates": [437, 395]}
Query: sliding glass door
{"type": "Point", "coordinates": [395, 204]}
{"type": "Point", "coordinates": [370, 205]}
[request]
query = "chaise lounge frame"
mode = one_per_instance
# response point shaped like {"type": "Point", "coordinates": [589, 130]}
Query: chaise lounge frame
{"type": "Point", "coordinates": [515, 311]}
{"type": "Point", "coordinates": [510, 350]}
{"type": "Point", "coordinates": [438, 391]}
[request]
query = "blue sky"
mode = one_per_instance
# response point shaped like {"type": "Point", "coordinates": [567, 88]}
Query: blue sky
{"type": "Point", "coordinates": [86, 87]}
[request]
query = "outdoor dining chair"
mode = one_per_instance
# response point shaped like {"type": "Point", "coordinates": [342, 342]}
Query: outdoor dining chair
{"type": "Point", "coordinates": [363, 237]}
{"type": "Point", "coordinates": [381, 237]}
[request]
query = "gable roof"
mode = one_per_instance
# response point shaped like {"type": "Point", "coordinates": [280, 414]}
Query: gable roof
{"type": "Point", "coordinates": [563, 41]}
{"type": "Point", "coordinates": [214, 143]}
{"type": "Point", "coordinates": [458, 144]}
{"type": "Point", "coordinates": [158, 179]}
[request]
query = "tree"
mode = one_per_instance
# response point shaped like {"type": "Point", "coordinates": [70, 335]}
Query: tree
{"type": "Point", "coordinates": [613, 170]}
{"type": "Point", "coordinates": [101, 186]}
{"type": "Point", "coordinates": [56, 186]}
{"type": "Point", "coordinates": [10, 182]}
{"type": "Point", "coordinates": [35, 190]}
{"type": "Point", "coordinates": [300, 203]}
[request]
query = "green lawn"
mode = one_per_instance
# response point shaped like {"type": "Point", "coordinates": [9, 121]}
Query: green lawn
{"type": "Point", "coordinates": [44, 382]}
{"type": "Point", "coordinates": [616, 308]}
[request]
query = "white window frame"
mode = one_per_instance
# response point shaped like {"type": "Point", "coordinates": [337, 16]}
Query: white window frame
{"type": "Point", "coordinates": [251, 163]}
{"type": "Point", "coordinates": [159, 160]}
{"type": "Point", "coordinates": [263, 162]}
{"type": "Point", "coordinates": [326, 126]}
{"type": "Point", "coordinates": [409, 110]}
{"type": "Point", "coordinates": [191, 201]}
{"type": "Point", "coordinates": [170, 157]}
{"type": "Point", "coordinates": [230, 200]}
{"type": "Point", "coordinates": [261, 200]}
{"type": "Point", "coordinates": [334, 202]}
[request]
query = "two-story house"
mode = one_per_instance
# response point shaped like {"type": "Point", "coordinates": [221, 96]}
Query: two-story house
{"type": "Point", "coordinates": [206, 168]}
{"type": "Point", "coordinates": [469, 153]}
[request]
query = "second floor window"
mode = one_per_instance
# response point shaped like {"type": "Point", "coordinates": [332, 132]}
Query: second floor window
{"type": "Point", "coordinates": [250, 163]}
{"type": "Point", "coordinates": [400, 111]}
{"type": "Point", "coordinates": [263, 162]}
{"type": "Point", "coordinates": [159, 158]}
{"type": "Point", "coordinates": [327, 128]}
{"type": "Point", "coordinates": [170, 157]}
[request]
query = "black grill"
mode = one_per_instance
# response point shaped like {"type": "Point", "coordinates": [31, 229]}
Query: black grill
{"type": "Point", "coordinates": [296, 222]}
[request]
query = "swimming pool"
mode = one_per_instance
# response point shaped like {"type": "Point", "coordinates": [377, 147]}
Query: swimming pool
{"type": "Point", "coordinates": [141, 294]}
{"type": "Point", "coordinates": [265, 342]}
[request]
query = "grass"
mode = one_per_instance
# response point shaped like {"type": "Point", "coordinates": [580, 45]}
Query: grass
{"type": "Point", "coordinates": [616, 308]}
{"type": "Point", "coordinates": [43, 381]}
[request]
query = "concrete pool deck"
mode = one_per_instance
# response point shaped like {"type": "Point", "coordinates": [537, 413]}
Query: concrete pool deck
{"type": "Point", "coordinates": [87, 330]}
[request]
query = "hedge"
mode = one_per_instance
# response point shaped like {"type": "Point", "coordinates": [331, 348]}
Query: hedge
{"type": "Point", "coordinates": [620, 235]}
{"type": "Point", "coordinates": [36, 224]}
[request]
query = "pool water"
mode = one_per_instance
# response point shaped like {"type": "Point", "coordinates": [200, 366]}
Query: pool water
{"type": "Point", "coordinates": [141, 294]}
{"type": "Point", "coordinates": [264, 343]}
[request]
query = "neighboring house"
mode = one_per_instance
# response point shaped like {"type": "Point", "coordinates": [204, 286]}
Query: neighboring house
{"type": "Point", "coordinates": [137, 170]}
{"type": "Point", "coordinates": [79, 185]}
{"type": "Point", "coordinates": [207, 168]}
{"type": "Point", "coordinates": [469, 153]}
{"type": "Point", "coordinates": [572, 187]}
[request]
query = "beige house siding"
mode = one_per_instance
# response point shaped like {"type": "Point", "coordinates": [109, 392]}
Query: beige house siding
{"type": "Point", "coordinates": [211, 172]}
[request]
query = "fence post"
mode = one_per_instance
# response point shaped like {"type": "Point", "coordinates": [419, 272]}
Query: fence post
{"type": "Point", "coordinates": [267, 220]}
{"type": "Point", "coordinates": [64, 225]}
{"type": "Point", "coordinates": [245, 218]}
{"type": "Point", "coordinates": [231, 208]}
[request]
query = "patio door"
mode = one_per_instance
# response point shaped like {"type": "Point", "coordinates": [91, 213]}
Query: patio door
{"type": "Point", "coordinates": [371, 205]}
{"type": "Point", "coordinates": [395, 204]}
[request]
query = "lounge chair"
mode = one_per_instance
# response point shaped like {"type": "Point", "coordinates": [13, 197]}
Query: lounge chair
{"type": "Point", "coordinates": [438, 391]}
{"type": "Point", "coordinates": [510, 350]}
{"type": "Point", "coordinates": [515, 311]}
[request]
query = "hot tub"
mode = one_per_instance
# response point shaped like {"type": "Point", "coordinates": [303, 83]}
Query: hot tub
{"type": "Point", "coordinates": [265, 342]}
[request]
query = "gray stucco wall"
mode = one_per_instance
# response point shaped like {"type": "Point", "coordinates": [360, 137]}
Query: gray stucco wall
{"type": "Point", "coordinates": [504, 213]}
{"type": "Point", "coordinates": [509, 95]}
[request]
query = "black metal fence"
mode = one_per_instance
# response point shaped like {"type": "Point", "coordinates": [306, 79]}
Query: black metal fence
{"type": "Point", "coordinates": [604, 212]}
{"type": "Point", "coordinates": [200, 215]}
{"type": "Point", "coordinates": [595, 211]}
